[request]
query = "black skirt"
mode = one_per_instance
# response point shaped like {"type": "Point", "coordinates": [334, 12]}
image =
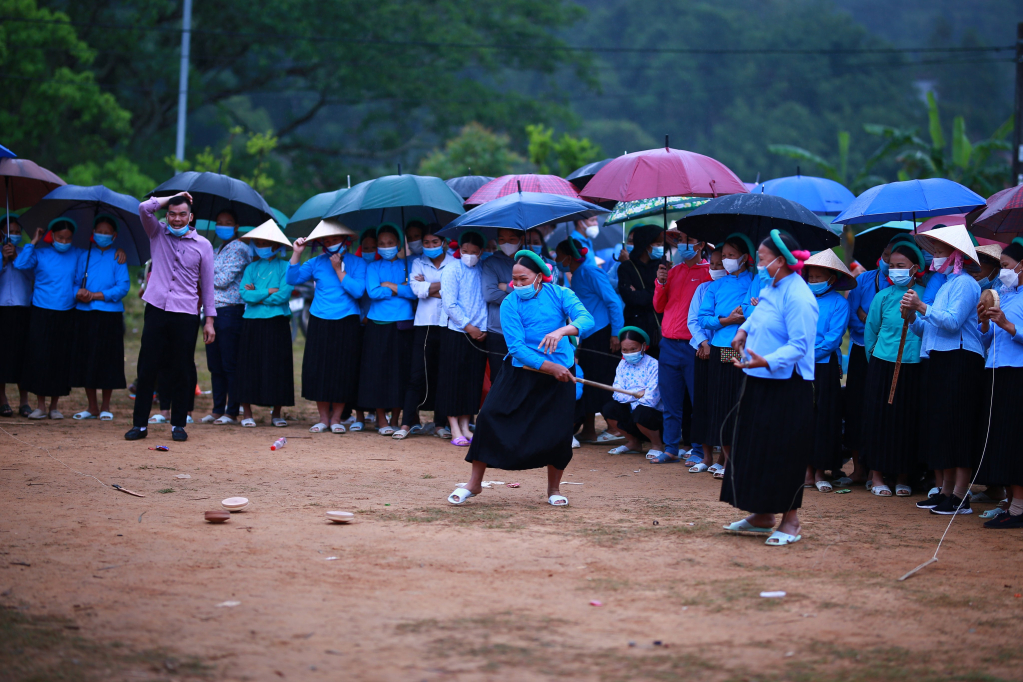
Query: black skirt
{"type": "Point", "coordinates": [767, 466]}
{"type": "Point", "coordinates": [855, 382]}
{"type": "Point", "coordinates": [890, 442]}
{"type": "Point", "coordinates": [48, 357]}
{"type": "Point", "coordinates": [723, 382]}
{"type": "Point", "coordinates": [266, 372]}
{"type": "Point", "coordinates": [1002, 463]}
{"type": "Point", "coordinates": [698, 429]}
{"type": "Point", "coordinates": [14, 321]}
{"type": "Point", "coordinates": [827, 430]}
{"type": "Point", "coordinates": [598, 365]}
{"type": "Point", "coordinates": [330, 366]}
{"type": "Point", "coordinates": [98, 350]}
{"type": "Point", "coordinates": [953, 392]}
{"type": "Point", "coordinates": [526, 422]}
{"type": "Point", "coordinates": [629, 420]}
{"type": "Point", "coordinates": [463, 362]}
{"type": "Point", "coordinates": [386, 365]}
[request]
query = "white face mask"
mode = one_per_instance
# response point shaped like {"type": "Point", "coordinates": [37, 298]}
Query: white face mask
{"type": "Point", "coordinates": [732, 265]}
{"type": "Point", "coordinates": [416, 247]}
{"type": "Point", "coordinates": [509, 249]}
{"type": "Point", "coordinates": [470, 260]}
{"type": "Point", "coordinates": [718, 274]}
{"type": "Point", "coordinates": [1007, 277]}
{"type": "Point", "coordinates": [592, 231]}
{"type": "Point", "coordinates": [938, 263]}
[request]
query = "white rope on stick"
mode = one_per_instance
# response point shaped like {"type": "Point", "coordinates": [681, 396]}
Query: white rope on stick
{"type": "Point", "coordinates": [47, 451]}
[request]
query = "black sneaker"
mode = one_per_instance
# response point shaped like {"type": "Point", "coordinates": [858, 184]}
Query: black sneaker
{"type": "Point", "coordinates": [136, 434]}
{"type": "Point", "coordinates": [178, 434]}
{"type": "Point", "coordinates": [951, 505]}
{"type": "Point", "coordinates": [1005, 520]}
{"type": "Point", "coordinates": [931, 502]}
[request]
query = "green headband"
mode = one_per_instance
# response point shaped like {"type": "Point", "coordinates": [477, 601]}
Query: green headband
{"type": "Point", "coordinates": [905, 237]}
{"type": "Point", "coordinates": [916, 249]}
{"type": "Point", "coordinates": [105, 217]}
{"type": "Point", "coordinates": [74, 225]}
{"type": "Point", "coordinates": [531, 255]}
{"type": "Point", "coordinates": [1017, 240]}
{"type": "Point", "coordinates": [776, 238]}
{"type": "Point", "coordinates": [974, 240]}
{"type": "Point", "coordinates": [752, 267]}
{"type": "Point", "coordinates": [646, 337]}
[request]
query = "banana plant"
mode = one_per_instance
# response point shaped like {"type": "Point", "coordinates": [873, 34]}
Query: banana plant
{"type": "Point", "coordinates": [839, 169]}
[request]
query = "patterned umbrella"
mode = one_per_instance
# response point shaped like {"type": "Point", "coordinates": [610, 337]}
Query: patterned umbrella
{"type": "Point", "coordinates": [506, 184]}
{"type": "Point", "coordinates": [632, 210]}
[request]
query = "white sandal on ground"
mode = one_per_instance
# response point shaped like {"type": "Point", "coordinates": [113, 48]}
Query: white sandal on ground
{"type": "Point", "coordinates": [37, 414]}
{"type": "Point", "coordinates": [698, 468]}
{"type": "Point", "coordinates": [606, 437]}
{"type": "Point", "coordinates": [223, 419]}
{"type": "Point", "coordinates": [824, 486]}
{"type": "Point", "coordinates": [106, 416]}
{"type": "Point", "coordinates": [84, 414]}
{"type": "Point", "coordinates": [278, 421]}
{"type": "Point", "coordinates": [208, 419]}
{"type": "Point", "coordinates": [249, 423]}
{"type": "Point", "coordinates": [55, 414]}
{"type": "Point", "coordinates": [386, 431]}
{"type": "Point", "coordinates": [881, 491]}
{"type": "Point", "coordinates": [714, 468]}
{"type": "Point", "coordinates": [623, 450]}
{"type": "Point", "coordinates": [557, 501]}
{"type": "Point", "coordinates": [460, 495]}
{"type": "Point", "coordinates": [400, 434]}
{"type": "Point", "coordinates": [779, 539]}
{"type": "Point", "coordinates": [318, 427]}
{"type": "Point", "coordinates": [744, 526]}
{"type": "Point", "coordinates": [158, 419]}
{"type": "Point", "coordinates": [903, 490]}
{"type": "Point", "coordinates": [337, 428]}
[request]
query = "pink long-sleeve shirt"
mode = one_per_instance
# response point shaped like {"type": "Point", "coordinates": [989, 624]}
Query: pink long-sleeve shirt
{"type": "Point", "coordinates": [182, 267]}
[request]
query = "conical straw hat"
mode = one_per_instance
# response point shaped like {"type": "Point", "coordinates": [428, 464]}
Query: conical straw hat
{"type": "Point", "coordinates": [830, 260]}
{"type": "Point", "coordinates": [268, 231]}
{"type": "Point", "coordinates": [330, 228]}
{"type": "Point", "coordinates": [990, 250]}
{"type": "Point", "coordinates": [955, 236]}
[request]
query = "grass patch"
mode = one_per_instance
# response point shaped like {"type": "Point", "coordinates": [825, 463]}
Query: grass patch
{"type": "Point", "coordinates": [166, 490]}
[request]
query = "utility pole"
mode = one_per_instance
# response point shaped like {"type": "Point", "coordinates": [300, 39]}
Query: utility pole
{"type": "Point", "coordinates": [1017, 129]}
{"type": "Point", "coordinates": [186, 42]}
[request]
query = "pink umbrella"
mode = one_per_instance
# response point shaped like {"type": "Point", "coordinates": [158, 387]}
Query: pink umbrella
{"type": "Point", "coordinates": [1002, 217]}
{"type": "Point", "coordinates": [954, 219]}
{"type": "Point", "coordinates": [25, 183]}
{"type": "Point", "coordinates": [508, 184]}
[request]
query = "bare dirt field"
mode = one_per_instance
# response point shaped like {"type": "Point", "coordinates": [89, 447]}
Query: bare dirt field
{"type": "Point", "coordinates": [97, 584]}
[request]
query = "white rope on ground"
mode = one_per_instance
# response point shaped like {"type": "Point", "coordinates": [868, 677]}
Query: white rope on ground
{"type": "Point", "coordinates": [47, 451]}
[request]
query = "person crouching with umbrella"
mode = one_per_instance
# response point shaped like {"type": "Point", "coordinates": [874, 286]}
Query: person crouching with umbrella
{"type": "Point", "coordinates": [526, 421]}
{"type": "Point", "coordinates": [770, 449]}
{"type": "Point", "coordinates": [100, 285]}
{"type": "Point", "coordinates": [953, 382]}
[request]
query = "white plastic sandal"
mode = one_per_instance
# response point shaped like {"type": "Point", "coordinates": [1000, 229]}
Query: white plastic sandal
{"type": "Point", "coordinates": [698, 468]}
{"type": "Point", "coordinates": [400, 434]}
{"type": "Point", "coordinates": [623, 450]}
{"type": "Point", "coordinates": [460, 496]}
{"type": "Point", "coordinates": [278, 421]}
{"type": "Point", "coordinates": [557, 501]}
{"type": "Point", "coordinates": [824, 486]}
{"type": "Point", "coordinates": [208, 419]}
{"type": "Point", "coordinates": [106, 416]}
{"type": "Point", "coordinates": [158, 419]}
{"type": "Point", "coordinates": [881, 491]}
{"type": "Point", "coordinates": [903, 490]}
{"type": "Point", "coordinates": [84, 414]}
{"type": "Point", "coordinates": [386, 431]}
{"type": "Point", "coordinates": [318, 427]}
{"type": "Point", "coordinates": [337, 428]}
{"type": "Point", "coordinates": [249, 423]}
{"type": "Point", "coordinates": [779, 539]}
{"type": "Point", "coordinates": [223, 419]}
{"type": "Point", "coordinates": [55, 414]}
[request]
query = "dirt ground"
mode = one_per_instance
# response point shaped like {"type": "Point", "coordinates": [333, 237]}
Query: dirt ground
{"type": "Point", "coordinates": [97, 584]}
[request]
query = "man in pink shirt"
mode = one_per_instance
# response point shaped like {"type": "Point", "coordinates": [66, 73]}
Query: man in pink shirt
{"type": "Point", "coordinates": [182, 270]}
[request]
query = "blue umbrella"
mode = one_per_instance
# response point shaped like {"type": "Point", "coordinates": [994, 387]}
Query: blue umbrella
{"type": "Point", "coordinates": [6, 153]}
{"type": "Point", "coordinates": [910, 200]}
{"type": "Point", "coordinates": [820, 195]}
{"type": "Point", "coordinates": [522, 211]}
{"type": "Point", "coordinates": [83, 204]}
{"type": "Point", "coordinates": [465, 185]}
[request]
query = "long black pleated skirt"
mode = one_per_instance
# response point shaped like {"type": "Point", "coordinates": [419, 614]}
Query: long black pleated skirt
{"type": "Point", "coordinates": [852, 403]}
{"type": "Point", "coordinates": [723, 382]}
{"type": "Point", "coordinates": [598, 365]}
{"type": "Point", "coordinates": [386, 365]}
{"type": "Point", "coordinates": [827, 428]}
{"type": "Point", "coordinates": [698, 430]}
{"type": "Point", "coordinates": [1002, 463]}
{"type": "Point", "coordinates": [953, 389]}
{"type": "Point", "coordinates": [768, 461]}
{"type": "Point", "coordinates": [890, 442]}
{"type": "Point", "coordinates": [526, 422]}
{"type": "Point", "coordinates": [48, 361]}
{"type": "Point", "coordinates": [330, 366]}
{"type": "Point", "coordinates": [462, 366]}
{"type": "Point", "coordinates": [14, 321]}
{"type": "Point", "coordinates": [266, 372]}
{"type": "Point", "coordinates": [98, 350]}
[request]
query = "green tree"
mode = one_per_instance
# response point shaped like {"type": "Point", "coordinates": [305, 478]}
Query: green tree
{"type": "Point", "coordinates": [253, 153]}
{"type": "Point", "coordinates": [476, 150]}
{"type": "Point", "coordinates": [118, 174]}
{"type": "Point", "coordinates": [564, 154]}
{"type": "Point", "coordinates": [52, 109]}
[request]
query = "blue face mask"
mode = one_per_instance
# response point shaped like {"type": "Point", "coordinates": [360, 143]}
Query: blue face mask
{"type": "Point", "coordinates": [657, 252]}
{"type": "Point", "coordinates": [333, 249]}
{"type": "Point", "coordinates": [985, 283]}
{"type": "Point", "coordinates": [766, 279]}
{"type": "Point", "coordinates": [434, 252]}
{"type": "Point", "coordinates": [633, 358]}
{"type": "Point", "coordinates": [525, 292]}
{"type": "Point", "coordinates": [61, 247]}
{"type": "Point", "coordinates": [14, 239]}
{"type": "Point", "coordinates": [103, 240]}
{"type": "Point", "coordinates": [265, 252]}
{"type": "Point", "coordinates": [900, 278]}
{"type": "Point", "coordinates": [686, 253]}
{"type": "Point", "coordinates": [883, 267]}
{"type": "Point", "coordinates": [563, 268]}
{"type": "Point", "coordinates": [536, 248]}
{"type": "Point", "coordinates": [388, 252]}
{"type": "Point", "coordinates": [179, 233]}
{"type": "Point", "coordinates": [629, 247]}
{"type": "Point", "coordinates": [369, 257]}
{"type": "Point", "coordinates": [225, 232]}
{"type": "Point", "coordinates": [818, 288]}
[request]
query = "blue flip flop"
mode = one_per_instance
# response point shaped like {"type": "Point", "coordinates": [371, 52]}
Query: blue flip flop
{"type": "Point", "coordinates": [664, 458]}
{"type": "Point", "coordinates": [745, 526]}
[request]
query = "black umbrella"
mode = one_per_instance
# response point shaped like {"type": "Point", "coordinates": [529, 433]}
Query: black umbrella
{"type": "Point", "coordinates": [870, 244]}
{"type": "Point", "coordinates": [465, 185]}
{"type": "Point", "coordinates": [755, 215]}
{"type": "Point", "coordinates": [213, 193]}
{"type": "Point", "coordinates": [83, 204]}
{"type": "Point", "coordinates": [580, 176]}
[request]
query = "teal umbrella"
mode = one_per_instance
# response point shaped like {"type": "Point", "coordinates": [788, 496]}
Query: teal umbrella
{"type": "Point", "coordinates": [311, 213]}
{"type": "Point", "coordinates": [641, 208]}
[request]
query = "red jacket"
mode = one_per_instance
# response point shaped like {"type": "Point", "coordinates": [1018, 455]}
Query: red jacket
{"type": "Point", "coordinates": [672, 299]}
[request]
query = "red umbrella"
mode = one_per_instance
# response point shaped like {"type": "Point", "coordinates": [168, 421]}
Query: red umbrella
{"type": "Point", "coordinates": [663, 172]}
{"type": "Point", "coordinates": [508, 184]}
{"type": "Point", "coordinates": [1002, 218]}
{"type": "Point", "coordinates": [25, 183]}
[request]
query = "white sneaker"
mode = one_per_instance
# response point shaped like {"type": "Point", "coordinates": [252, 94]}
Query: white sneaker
{"type": "Point", "coordinates": [575, 443]}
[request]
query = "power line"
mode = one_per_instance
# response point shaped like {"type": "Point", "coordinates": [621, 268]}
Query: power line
{"type": "Point", "coordinates": [277, 37]}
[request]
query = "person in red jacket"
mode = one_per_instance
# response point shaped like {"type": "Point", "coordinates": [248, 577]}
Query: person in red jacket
{"type": "Point", "coordinates": [673, 293]}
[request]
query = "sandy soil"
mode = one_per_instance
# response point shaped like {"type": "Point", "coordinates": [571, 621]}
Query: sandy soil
{"type": "Point", "coordinates": [499, 589]}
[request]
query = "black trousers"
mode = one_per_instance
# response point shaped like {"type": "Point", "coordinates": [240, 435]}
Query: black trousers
{"type": "Point", "coordinates": [422, 385]}
{"type": "Point", "coordinates": [168, 350]}
{"type": "Point", "coordinates": [496, 350]}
